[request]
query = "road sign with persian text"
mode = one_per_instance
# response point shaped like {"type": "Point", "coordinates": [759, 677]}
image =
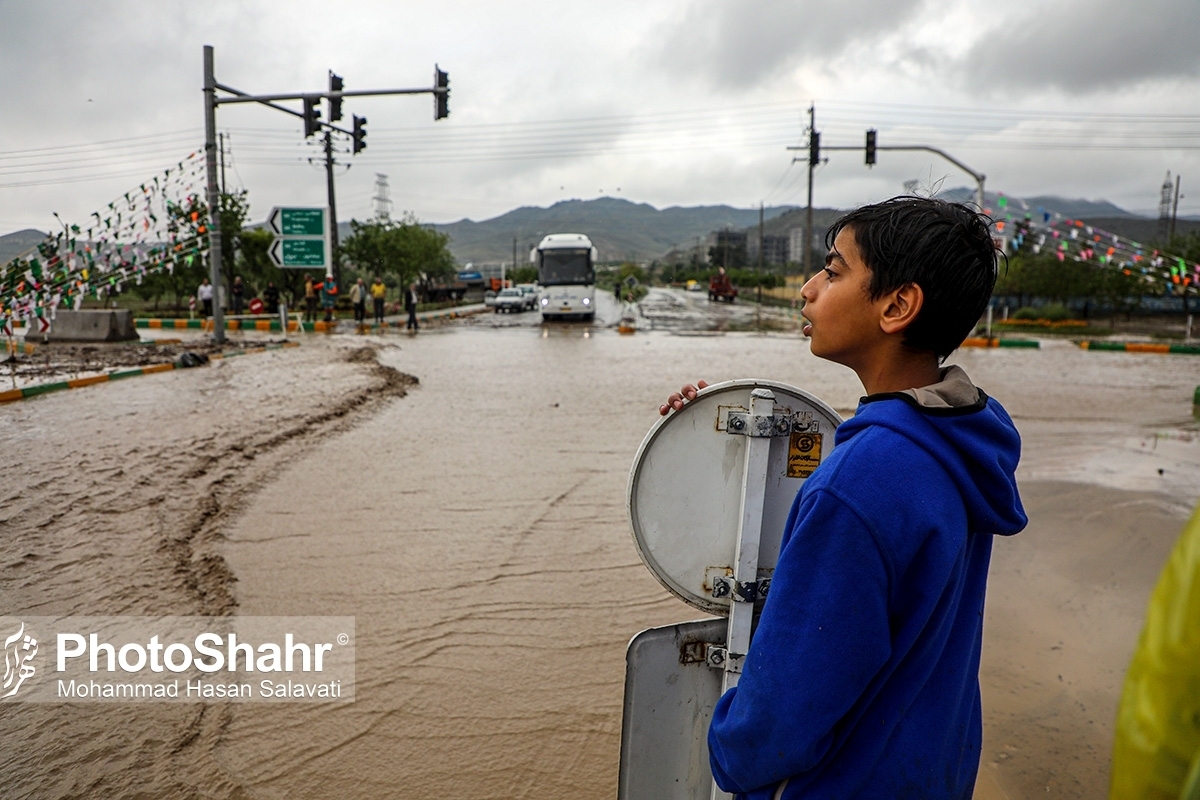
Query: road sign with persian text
{"type": "Point", "coordinates": [301, 237]}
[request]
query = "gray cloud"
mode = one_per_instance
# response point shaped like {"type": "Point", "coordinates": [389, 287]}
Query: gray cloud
{"type": "Point", "coordinates": [1081, 46]}
{"type": "Point", "coordinates": [736, 45]}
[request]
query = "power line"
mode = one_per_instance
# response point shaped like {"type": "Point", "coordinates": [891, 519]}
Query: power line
{"type": "Point", "coordinates": [196, 136]}
{"type": "Point", "coordinates": [746, 127]}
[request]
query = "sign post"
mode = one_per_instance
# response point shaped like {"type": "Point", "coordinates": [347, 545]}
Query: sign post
{"type": "Point", "coordinates": [301, 238]}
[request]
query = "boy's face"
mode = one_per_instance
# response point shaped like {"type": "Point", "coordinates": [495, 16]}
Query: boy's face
{"type": "Point", "coordinates": [842, 320]}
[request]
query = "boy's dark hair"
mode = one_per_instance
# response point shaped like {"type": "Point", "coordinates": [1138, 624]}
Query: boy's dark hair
{"type": "Point", "coordinates": [945, 248]}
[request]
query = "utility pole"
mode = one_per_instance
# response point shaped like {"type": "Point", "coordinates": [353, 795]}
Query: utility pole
{"type": "Point", "coordinates": [1164, 208]}
{"type": "Point", "coordinates": [224, 186]}
{"type": "Point", "coordinates": [1175, 207]}
{"type": "Point", "coordinates": [515, 253]}
{"type": "Point", "coordinates": [335, 267]}
{"type": "Point", "coordinates": [760, 236]}
{"type": "Point", "coordinates": [814, 151]}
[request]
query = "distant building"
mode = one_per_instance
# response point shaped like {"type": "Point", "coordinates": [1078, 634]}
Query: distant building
{"type": "Point", "coordinates": [775, 250]}
{"type": "Point", "coordinates": [796, 245]}
{"type": "Point", "coordinates": [726, 239]}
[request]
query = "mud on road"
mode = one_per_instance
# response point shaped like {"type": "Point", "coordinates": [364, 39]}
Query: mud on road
{"type": "Point", "coordinates": [114, 502]}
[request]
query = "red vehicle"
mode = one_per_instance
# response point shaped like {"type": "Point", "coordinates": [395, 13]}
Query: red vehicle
{"type": "Point", "coordinates": [721, 288]}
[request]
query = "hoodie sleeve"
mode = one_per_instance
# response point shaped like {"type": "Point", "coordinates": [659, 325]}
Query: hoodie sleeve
{"type": "Point", "coordinates": [822, 637]}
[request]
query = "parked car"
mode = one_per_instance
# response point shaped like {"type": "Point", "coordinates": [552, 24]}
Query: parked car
{"type": "Point", "coordinates": [511, 300]}
{"type": "Point", "coordinates": [530, 293]}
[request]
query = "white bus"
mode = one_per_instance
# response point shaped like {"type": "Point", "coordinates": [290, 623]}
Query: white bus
{"type": "Point", "coordinates": [566, 268]}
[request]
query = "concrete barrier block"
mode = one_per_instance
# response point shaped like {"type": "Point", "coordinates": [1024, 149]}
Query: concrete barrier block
{"type": "Point", "coordinates": [104, 325]}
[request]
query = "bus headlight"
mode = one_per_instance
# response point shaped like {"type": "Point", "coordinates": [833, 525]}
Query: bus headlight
{"type": "Point", "coordinates": [587, 301]}
{"type": "Point", "coordinates": [545, 301]}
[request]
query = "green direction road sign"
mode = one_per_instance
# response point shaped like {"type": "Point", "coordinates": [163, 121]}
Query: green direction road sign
{"type": "Point", "coordinates": [300, 238]}
{"type": "Point", "coordinates": [297, 221]}
{"type": "Point", "coordinates": [299, 252]}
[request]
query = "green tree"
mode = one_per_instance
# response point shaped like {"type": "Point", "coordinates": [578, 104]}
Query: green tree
{"type": "Point", "coordinates": [730, 256]}
{"type": "Point", "coordinates": [630, 270]}
{"type": "Point", "coordinates": [1043, 276]}
{"type": "Point", "coordinates": [405, 250]}
{"type": "Point", "coordinates": [523, 274]}
{"type": "Point", "coordinates": [234, 210]}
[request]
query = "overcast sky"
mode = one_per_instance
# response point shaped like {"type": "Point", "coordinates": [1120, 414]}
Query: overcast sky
{"type": "Point", "coordinates": [669, 102]}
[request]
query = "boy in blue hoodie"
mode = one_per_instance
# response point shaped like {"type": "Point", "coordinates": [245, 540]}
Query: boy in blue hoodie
{"type": "Point", "coordinates": [862, 679]}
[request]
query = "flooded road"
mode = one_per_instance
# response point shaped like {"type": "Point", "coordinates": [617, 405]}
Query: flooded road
{"type": "Point", "coordinates": [664, 309]}
{"type": "Point", "coordinates": [475, 528]}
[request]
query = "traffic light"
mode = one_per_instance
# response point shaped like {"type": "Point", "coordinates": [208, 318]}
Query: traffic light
{"type": "Point", "coordinates": [335, 103]}
{"type": "Point", "coordinates": [871, 147]}
{"type": "Point", "coordinates": [312, 115]}
{"type": "Point", "coordinates": [360, 134]}
{"type": "Point", "coordinates": [441, 94]}
{"type": "Point", "coordinates": [814, 149]}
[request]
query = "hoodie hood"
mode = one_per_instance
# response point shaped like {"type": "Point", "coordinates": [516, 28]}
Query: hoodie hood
{"type": "Point", "coordinates": [965, 431]}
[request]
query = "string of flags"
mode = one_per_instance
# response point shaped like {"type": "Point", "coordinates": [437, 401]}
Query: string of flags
{"type": "Point", "coordinates": [160, 224]}
{"type": "Point", "coordinates": [1048, 231]}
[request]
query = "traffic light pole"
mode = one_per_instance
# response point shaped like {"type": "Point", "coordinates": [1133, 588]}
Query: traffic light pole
{"type": "Point", "coordinates": [440, 91]}
{"type": "Point", "coordinates": [814, 158]}
{"type": "Point", "coordinates": [978, 176]}
{"type": "Point", "coordinates": [214, 199]}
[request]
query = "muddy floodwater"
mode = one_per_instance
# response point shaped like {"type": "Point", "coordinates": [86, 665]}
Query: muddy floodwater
{"type": "Point", "coordinates": [461, 494]}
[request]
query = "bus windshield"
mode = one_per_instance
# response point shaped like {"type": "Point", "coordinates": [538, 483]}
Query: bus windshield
{"type": "Point", "coordinates": [562, 266]}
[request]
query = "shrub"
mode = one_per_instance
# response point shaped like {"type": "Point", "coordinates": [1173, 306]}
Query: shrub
{"type": "Point", "coordinates": [1054, 312]}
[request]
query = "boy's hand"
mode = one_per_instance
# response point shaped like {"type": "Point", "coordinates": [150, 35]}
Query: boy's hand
{"type": "Point", "coordinates": [676, 401]}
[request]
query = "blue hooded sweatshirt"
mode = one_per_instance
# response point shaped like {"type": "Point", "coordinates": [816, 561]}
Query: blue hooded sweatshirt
{"type": "Point", "coordinates": [862, 678]}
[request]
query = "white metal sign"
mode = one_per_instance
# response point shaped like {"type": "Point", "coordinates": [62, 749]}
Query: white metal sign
{"type": "Point", "coordinates": [709, 494]}
{"type": "Point", "coordinates": [686, 486]}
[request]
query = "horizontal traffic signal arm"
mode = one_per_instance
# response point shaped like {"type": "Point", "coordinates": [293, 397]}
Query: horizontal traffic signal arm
{"type": "Point", "coordinates": [273, 99]}
{"type": "Point", "coordinates": [269, 100]}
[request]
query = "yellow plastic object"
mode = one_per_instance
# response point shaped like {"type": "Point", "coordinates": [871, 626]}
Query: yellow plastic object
{"type": "Point", "coordinates": [1156, 752]}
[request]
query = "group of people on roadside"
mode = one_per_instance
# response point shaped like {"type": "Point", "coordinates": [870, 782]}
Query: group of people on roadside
{"type": "Point", "coordinates": [318, 293]}
{"type": "Point", "coordinates": [237, 297]}
{"type": "Point", "coordinates": [377, 293]}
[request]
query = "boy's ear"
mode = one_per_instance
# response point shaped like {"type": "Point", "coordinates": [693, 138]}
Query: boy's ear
{"type": "Point", "coordinates": [901, 307]}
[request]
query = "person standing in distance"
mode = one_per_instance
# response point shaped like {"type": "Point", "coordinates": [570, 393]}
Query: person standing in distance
{"type": "Point", "coordinates": [358, 296]}
{"type": "Point", "coordinates": [410, 305]}
{"type": "Point", "coordinates": [204, 293]}
{"type": "Point", "coordinates": [378, 294]}
{"type": "Point", "coordinates": [271, 297]}
{"type": "Point", "coordinates": [862, 678]}
{"type": "Point", "coordinates": [310, 299]}
{"type": "Point", "coordinates": [238, 294]}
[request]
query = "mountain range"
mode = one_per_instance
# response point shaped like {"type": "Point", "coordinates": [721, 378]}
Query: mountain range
{"type": "Point", "coordinates": [624, 230]}
{"type": "Point", "coordinates": [620, 229]}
